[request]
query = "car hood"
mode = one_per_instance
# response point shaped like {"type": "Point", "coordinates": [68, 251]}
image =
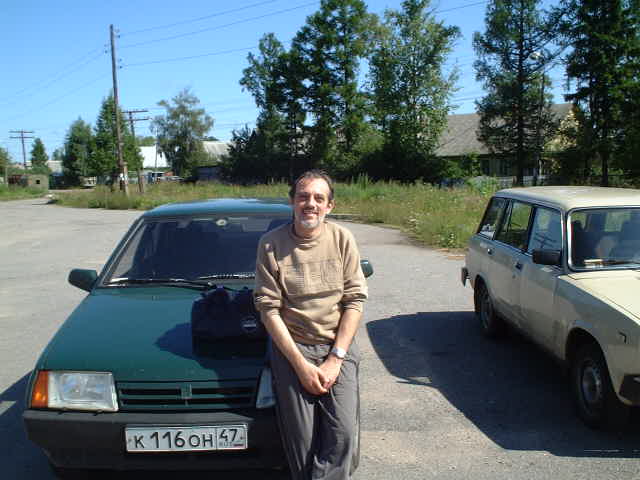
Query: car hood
{"type": "Point", "coordinates": [618, 286]}
{"type": "Point", "coordinates": [144, 334]}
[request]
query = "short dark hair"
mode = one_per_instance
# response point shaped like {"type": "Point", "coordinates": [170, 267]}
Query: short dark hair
{"type": "Point", "coordinates": [310, 175]}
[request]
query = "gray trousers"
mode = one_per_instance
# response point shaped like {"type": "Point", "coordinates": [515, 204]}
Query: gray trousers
{"type": "Point", "coordinates": [320, 433]}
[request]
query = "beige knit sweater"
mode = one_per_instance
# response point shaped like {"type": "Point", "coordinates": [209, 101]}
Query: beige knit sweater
{"type": "Point", "coordinates": [309, 282]}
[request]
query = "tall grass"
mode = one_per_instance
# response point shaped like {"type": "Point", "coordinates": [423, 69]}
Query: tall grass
{"type": "Point", "coordinates": [15, 192]}
{"type": "Point", "coordinates": [444, 218]}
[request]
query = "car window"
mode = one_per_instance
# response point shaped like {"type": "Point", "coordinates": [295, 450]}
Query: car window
{"type": "Point", "coordinates": [546, 231]}
{"type": "Point", "coordinates": [492, 217]}
{"type": "Point", "coordinates": [514, 229]}
{"type": "Point", "coordinates": [191, 248]}
{"type": "Point", "coordinates": [605, 238]}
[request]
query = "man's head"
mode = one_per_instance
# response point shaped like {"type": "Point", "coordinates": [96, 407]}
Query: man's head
{"type": "Point", "coordinates": [311, 197]}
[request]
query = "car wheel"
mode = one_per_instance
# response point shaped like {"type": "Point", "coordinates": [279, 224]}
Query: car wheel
{"type": "Point", "coordinates": [492, 325]}
{"type": "Point", "coordinates": [597, 404]}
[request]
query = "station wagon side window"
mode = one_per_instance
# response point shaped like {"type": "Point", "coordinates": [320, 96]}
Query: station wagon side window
{"type": "Point", "coordinates": [546, 230]}
{"type": "Point", "coordinates": [516, 225]}
{"type": "Point", "coordinates": [492, 217]}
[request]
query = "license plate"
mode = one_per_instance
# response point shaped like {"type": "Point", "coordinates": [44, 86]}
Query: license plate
{"type": "Point", "coordinates": [186, 439]}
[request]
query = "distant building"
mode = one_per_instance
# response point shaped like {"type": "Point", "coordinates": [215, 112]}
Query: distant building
{"type": "Point", "coordinates": [460, 140]}
{"type": "Point", "coordinates": [216, 149]}
{"type": "Point", "coordinates": [153, 158]}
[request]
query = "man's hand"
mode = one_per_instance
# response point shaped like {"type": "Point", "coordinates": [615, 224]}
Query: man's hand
{"type": "Point", "coordinates": [331, 369]}
{"type": "Point", "coordinates": [312, 378]}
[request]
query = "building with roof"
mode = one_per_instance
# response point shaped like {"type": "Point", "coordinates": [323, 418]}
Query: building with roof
{"type": "Point", "coordinates": [460, 141]}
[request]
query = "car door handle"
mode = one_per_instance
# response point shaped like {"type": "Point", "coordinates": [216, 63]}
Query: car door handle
{"type": "Point", "coordinates": [489, 251]}
{"type": "Point", "coordinates": [518, 265]}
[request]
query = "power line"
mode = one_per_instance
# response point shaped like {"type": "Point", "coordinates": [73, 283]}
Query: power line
{"type": "Point", "coordinates": [55, 80]}
{"type": "Point", "coordinates": [37, 84]}
{"type": "Point", "coordinates": [57, 99]}
{"type": "Point", "coordinates": [22, 138]}
{"type": "Point", "coordinates": [173, 37]}
{"type": "Point", "coordinates": [176, 59]}
{"type": "Point", "coordinates": [460, 7]}
{"type": "Point", "coordinates": [219, 14]}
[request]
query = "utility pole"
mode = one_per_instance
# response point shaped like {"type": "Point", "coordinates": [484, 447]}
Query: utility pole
{"type": "Point", "coordinates": [133, 132]}
{"type": "Point", "coordinates": [22, 137]}
{"type": "Point", "coordinates": [122, 165]}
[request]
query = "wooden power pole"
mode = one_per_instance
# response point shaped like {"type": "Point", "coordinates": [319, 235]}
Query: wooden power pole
{"type": "Point", "coordinates": [122, 165]}
{"type": "Point", "coordinates": [22, 137]}
{"type": "Point", "coordinates": [133, 132]}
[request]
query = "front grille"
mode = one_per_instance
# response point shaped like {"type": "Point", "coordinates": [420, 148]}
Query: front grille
{"type": "Point", "coordinates": [217, 395]}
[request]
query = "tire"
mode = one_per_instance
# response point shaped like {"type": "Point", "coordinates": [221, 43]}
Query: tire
{"type": "Point", "coordinates": [593, 396]}
{"type": "Point", "coordinates": [492, 325]}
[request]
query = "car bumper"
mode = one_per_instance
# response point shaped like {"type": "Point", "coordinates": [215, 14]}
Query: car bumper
{"type": "Point", "coordinates": [97, 440]}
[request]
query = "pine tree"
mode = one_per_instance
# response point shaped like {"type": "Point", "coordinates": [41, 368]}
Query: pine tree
{"type": "Point", "coordinates": [39, 157]}
{"type": "Point", "coordinates": [331, 44]}
{"type": "Point", "coordinates": [515, 115]}
{"type": "Point", "coordinates": [104, 158]}
{"type": "Point", "coordinates": [603, 67]}
{"type": "Point", "coordinates": [78, 148]}
{"type": "Point", "coordinates": [411, 93]}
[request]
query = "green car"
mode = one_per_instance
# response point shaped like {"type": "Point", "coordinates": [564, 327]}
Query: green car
{"type": "Point", "coordinates": [124, 384]}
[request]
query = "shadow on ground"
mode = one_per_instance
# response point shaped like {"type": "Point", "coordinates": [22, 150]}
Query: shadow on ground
{"type": "Point", "coordinates": [514, 393]}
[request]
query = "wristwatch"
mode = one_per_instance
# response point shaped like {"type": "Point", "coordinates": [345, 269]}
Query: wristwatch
{"type": "Point", "coordinates": [339, 352]}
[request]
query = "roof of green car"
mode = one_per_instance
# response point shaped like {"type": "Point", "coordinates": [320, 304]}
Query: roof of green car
{"type": "Point", "coordinates": [223, 206]}
{"type": "Point", "coordinates": [570, 197]}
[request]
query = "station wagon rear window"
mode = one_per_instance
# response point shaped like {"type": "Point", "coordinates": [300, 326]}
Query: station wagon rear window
{"type": "Point", "coordinates": [605, 238]}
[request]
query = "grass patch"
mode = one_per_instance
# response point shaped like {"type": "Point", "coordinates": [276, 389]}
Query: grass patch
{"type": "Point", "coordinates": [432, 216]}
{"type": "Point", "coordinates": [14, 192]}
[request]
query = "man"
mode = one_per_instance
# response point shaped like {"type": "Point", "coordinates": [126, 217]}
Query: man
{"type": "Point", "coordinates": [310, 291]}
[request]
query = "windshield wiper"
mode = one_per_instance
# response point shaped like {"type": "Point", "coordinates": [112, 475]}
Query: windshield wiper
{"type": "Point", "coordinates": [170, 282]}
{"type": "Point", "coordinates": [229, 276]}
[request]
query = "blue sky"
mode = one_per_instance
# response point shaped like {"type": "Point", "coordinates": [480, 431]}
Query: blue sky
{"type": "Point", "coordinates": [57, 65]}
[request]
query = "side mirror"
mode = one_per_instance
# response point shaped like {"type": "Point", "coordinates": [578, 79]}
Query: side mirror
{"type": "Point", "coordinates": [547, 257]}
{"type": "Point", "coordinates": [367, 268]}
{"type": "Point", "coordinates": [83, 279]}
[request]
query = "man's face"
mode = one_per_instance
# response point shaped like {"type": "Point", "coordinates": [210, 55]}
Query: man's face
{"type": "Point", "coordinates": [311, 203]}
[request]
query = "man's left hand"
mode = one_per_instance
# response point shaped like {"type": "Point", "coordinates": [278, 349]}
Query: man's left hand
{"type": "Point", "coordinates": [331, 369]}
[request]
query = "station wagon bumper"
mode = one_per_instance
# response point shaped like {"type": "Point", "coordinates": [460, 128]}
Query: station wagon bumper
{"type": "Point", "coordinates": [97, 440]}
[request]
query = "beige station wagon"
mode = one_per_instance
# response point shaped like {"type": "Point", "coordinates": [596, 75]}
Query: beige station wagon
{"type": "Point", "coordinates": [562, 265]}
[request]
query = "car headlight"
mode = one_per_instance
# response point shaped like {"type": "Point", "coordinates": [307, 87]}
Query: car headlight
{"type": "Point", "coordinates": [266, 397]}
{"type": "Point", "coordinates": [65, 390]}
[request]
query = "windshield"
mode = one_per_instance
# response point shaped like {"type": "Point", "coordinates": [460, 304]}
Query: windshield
{"type": "Point", "coordinates": [605, 238]}
{"type": "Point", "coordinates": [172, 250]}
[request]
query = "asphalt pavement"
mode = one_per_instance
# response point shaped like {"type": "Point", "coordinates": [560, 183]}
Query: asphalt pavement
{"type": "Point", "coordinates": [438, 400]}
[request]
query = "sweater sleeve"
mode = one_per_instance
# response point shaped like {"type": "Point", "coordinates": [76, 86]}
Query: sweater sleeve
{"type": "Point", "coordinates": [267, 293]}
{"type": "Point", "coordinates": [355, 285]}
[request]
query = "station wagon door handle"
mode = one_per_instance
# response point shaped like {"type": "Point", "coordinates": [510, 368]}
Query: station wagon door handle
{"type": "Point", "coordinates": [489, 251]}
{"type": "Point", "coordinates": [518, 265]}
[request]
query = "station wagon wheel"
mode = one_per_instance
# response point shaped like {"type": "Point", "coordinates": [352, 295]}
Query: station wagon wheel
{"type": "Point", "coordinates": [593, 395]}
{"type": "Point", "coordinates": [492, 325]}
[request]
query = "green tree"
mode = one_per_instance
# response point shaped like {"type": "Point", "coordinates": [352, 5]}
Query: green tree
{"type": "Point", "coordinates": [146, 141]}
{"type": "Point", "coordinates": [181, 131]}
{"type": "Point", "coordinates": [104, 158]}
{"type": "Point", "coordinates": [275, 79]}
{"type": "Point", "coordinates": [39, 157]}
{"type": "Point", "coordinates": [603, 67]}
{"type": "Point", "coordinates": [332, 44]}
{"type": "Point", "coordinates": [515, 115]}
{"type": "Point", "coordinates": [78, 148]}
{"type": "Point", "coordinates": [411, 95]}
{"type": "Point", "coordinates": [5, 160]}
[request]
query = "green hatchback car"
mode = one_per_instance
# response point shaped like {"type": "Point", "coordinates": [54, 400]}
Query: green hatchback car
{"type": "Point", "coordinates": [124, 385]}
